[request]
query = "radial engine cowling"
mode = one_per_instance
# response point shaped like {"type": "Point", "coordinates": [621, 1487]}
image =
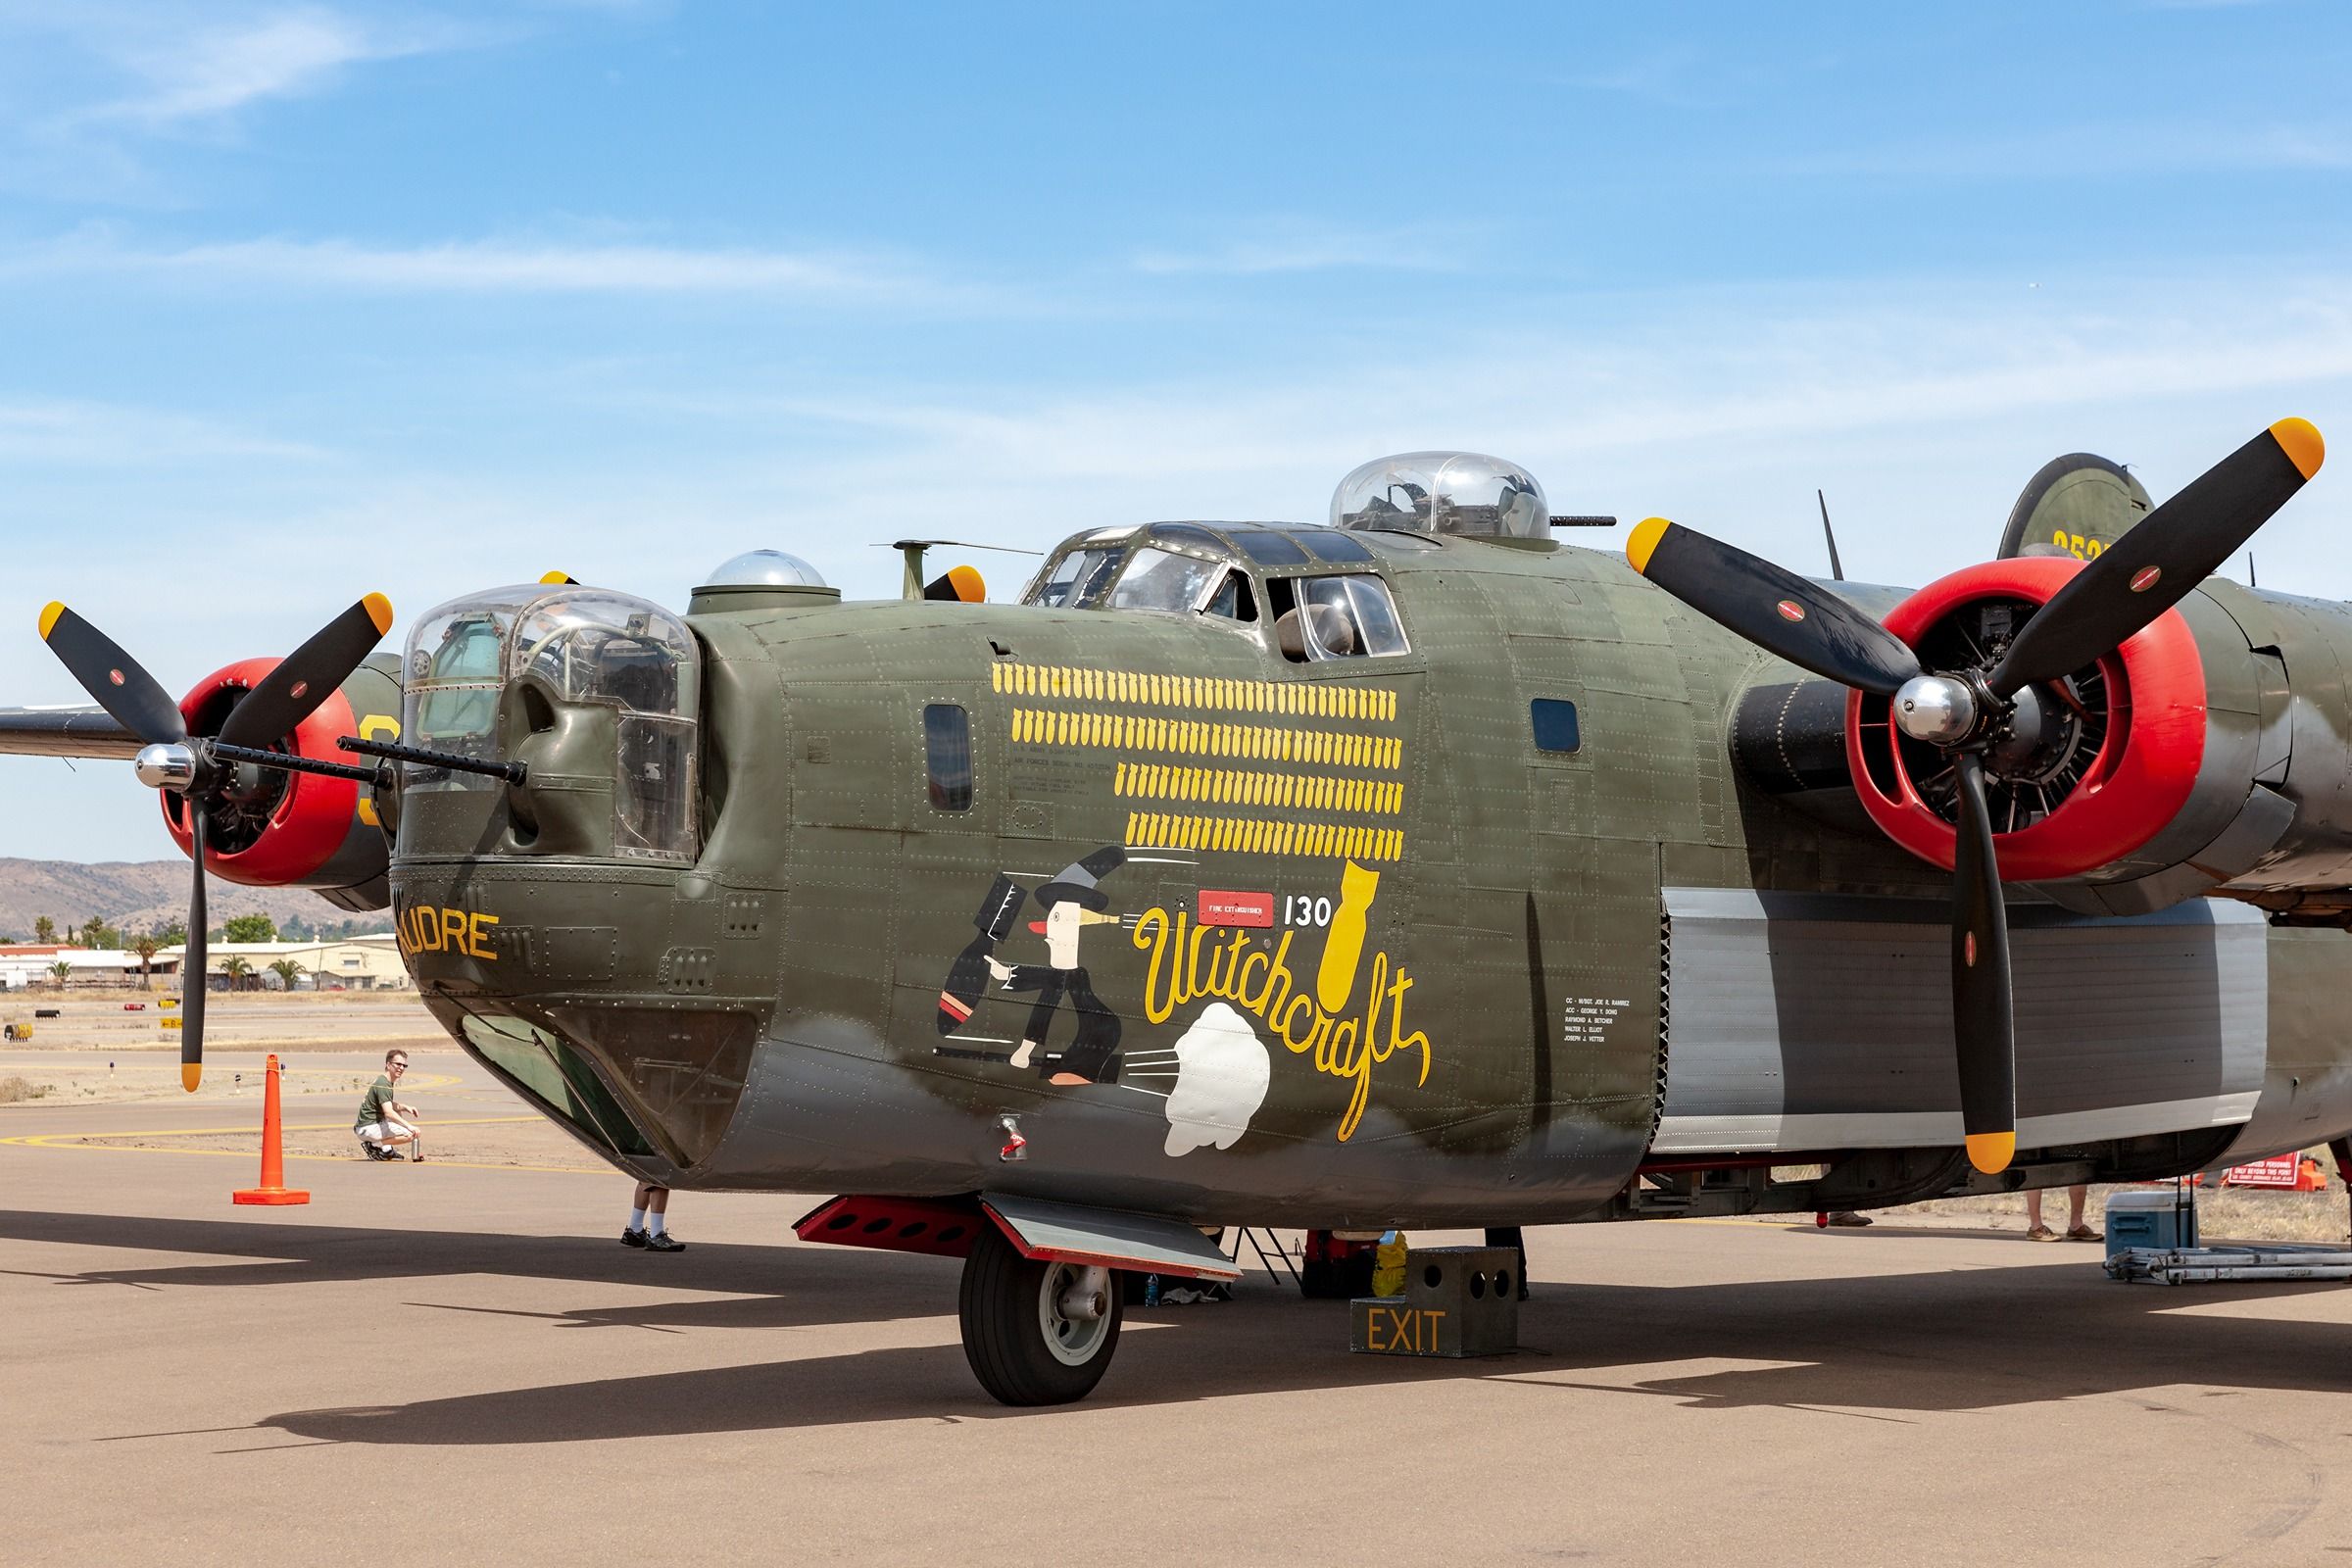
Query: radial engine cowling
{"type": "Point", "coordinates": [282, 829]}
{"type": "Point", "coordinates": [2131, 789]}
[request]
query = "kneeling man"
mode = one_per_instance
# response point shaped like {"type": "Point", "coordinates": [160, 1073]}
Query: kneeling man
{"type": "Point", "coordinates": [379, 1126]}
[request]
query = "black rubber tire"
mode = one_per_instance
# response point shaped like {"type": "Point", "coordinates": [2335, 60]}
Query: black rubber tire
{"type": "Point", "coordinates": [1003, 1338]}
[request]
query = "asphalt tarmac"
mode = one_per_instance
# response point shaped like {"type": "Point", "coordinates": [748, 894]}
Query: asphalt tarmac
{"type": "Point", "coordinates": [456, 1363]}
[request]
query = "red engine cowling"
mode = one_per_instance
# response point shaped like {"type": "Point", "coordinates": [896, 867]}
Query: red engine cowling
{"type": "Point", "coordinates": [280, 829]}
{"type": "Point", "coordinates": [2126, 769]}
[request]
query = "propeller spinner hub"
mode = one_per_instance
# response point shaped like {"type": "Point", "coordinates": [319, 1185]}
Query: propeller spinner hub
{"type": "Point", "coordinates": [169, 767]}
{"type": "Point", "coordinates": [1939, 709]}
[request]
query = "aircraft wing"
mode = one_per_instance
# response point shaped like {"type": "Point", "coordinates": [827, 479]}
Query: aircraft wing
{"type": "Point", "coordinates": [65, 731]}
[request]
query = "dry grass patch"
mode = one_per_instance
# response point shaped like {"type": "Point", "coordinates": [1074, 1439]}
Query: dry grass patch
{"type": "Point", "coordinates": [13, 1089]}
{"type": "Point", "coordinates": [2229, 1214]}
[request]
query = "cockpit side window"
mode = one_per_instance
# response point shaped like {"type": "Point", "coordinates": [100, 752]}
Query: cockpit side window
{"type": "Point", "coordinates": [1233, 600]}
{"type": "Point", "coordinates": [1349, 617]}
{"type": "Point", "coordinates": [1378, 632]}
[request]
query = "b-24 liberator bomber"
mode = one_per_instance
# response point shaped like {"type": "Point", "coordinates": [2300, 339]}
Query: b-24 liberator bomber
{"type": "Point", "coordinates": [1408, 869]}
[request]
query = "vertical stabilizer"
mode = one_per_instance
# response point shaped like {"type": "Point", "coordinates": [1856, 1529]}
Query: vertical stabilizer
{"type": "Point", "coordinates": [2077, 505]}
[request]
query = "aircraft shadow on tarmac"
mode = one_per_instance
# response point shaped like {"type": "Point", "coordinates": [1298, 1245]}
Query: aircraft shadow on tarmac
{"type": "Point", "coordinates": [1882, 1346]}
{"type": "Point", "coordinates": [890, 1285]}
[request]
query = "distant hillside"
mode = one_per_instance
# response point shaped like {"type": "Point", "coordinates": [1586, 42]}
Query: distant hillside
{"type": "Point", "coordinates": [142, 894]}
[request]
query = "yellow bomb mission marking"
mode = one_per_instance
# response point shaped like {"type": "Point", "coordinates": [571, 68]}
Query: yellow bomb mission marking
{"type": "Point", "coordinates": [430, 928]}
{"type": "Point", "coordinates": [1191, 961]}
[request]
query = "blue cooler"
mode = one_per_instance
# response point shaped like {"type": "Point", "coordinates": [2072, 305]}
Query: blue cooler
{"type": "Point", "coordinates": [2153, 1219]}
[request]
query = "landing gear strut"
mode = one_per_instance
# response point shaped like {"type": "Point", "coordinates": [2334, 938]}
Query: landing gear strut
{"type": "Point", "coordinates": [1036, 1333]}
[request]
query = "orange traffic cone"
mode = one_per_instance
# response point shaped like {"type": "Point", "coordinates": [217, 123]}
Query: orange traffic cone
{"type": "Point", "coordinates": [273, 1188]}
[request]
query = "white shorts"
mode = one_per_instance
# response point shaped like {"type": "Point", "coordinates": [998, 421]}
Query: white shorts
{"type": "Point", "coordinates": [376, 1132]}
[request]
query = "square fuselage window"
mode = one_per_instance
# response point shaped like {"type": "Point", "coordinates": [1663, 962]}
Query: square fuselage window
{"type": "Point", "coordinates": [1555, 723]}
{"type": "Point", "coordinates": [947, 753]}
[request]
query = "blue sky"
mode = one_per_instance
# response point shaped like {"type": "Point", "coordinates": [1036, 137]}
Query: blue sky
{"type": "Point", "coordinates": [299, 301]}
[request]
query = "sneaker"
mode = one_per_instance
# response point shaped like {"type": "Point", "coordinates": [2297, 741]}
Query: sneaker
{"type": "Point", "coordinates": [1848, 1220]}
{"type": "Point", "coordinates": [662, 1242]}
{"type": "Point", "coordinates": [2084, 1233]}
{"type": "Point", "coordinates": [2042, 1233]}
{"type": "Point", "coordinates": [630, 1238]}
{"type": "Point", "coordinates": [374, 1151]}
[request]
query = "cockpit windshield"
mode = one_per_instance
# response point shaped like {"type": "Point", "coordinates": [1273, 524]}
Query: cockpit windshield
{"type": "Point", "coordinates": [1074, 579]}
{"type": "Point", "coordinates": [1158, 579]}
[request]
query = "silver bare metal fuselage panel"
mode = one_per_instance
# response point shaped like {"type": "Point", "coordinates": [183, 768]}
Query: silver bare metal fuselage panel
{"type": "Point", "coordinates": [1809, 1021]}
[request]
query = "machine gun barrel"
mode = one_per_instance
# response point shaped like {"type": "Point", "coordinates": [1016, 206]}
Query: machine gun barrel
{"type": "Point", "coordinates": [291, 764]}
{"type": "Point", "coordinates": [513, 773]}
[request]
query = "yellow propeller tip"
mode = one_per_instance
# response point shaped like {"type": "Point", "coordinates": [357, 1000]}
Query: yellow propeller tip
{"type": "Point", "coordinates": [558, 578]}
{"type": "Point", "coordinates": [2300, 440]}
{"type": "Point", "coordinates": [1991, 1152]}
{"type": "Point", "coordinates": [49, 614]}
{"type": "Point", "coordinates": [191, 1073]}
{"type": "Point", "coordinates": [1644, 541]}
{"type": "Point", "coordinates": [379, 610]}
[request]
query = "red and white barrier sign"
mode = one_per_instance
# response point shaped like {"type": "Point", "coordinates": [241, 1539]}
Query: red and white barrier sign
{"type": "Point", "coordinates": [2289, 1173]}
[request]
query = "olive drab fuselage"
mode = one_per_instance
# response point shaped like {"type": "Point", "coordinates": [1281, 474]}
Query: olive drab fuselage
{"type": "Point", "coordinates": [1226, 935]}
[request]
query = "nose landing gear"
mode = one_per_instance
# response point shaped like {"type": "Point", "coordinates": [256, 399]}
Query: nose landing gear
{"type": "Point", "coordinates": [1036, 1332]}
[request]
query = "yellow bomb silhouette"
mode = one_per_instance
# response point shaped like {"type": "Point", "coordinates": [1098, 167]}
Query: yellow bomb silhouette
{"type": "Point", "coordinates": [1344, 948]}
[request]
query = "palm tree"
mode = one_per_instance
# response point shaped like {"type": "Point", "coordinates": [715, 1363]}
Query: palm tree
{"type": "Point", "coordinates": [62, 971]}
{"type": "Point", "coordinates": [288, 971]}
{"type": "Point", "coordinates": [237, 967]}
{"type": "Point", "coordinates": [146, 947]}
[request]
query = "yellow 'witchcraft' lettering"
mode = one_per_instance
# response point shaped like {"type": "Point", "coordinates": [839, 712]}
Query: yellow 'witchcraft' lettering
{"type": "Point", "coordinates": [1189, 962]}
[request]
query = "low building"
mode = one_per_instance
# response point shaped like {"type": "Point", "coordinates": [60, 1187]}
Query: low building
{"type": "Point", "coordinates": [30, 965]}
{"type": "Point", "coordinates": [329, 963]}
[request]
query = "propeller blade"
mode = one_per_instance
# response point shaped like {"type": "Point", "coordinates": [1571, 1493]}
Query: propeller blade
{"type": "Point", "coordinates": [112, 676]}
{"type": "Point", "coordinates": [1983, 1023]}
{"type": "Point", "coordinates": [1778, 610]}
{"type": "Point", "coordinates": [2154, 566]}
{"type": "Point", "coordinates": [309, 676]}
{"type": "Point", "coordinates": [193, 959]}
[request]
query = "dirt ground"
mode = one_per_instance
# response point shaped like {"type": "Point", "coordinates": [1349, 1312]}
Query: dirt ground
{"type": "Point", "coordinates": [2233, 1213]}
{"type": "Point", "coordinates": [132, 1021]}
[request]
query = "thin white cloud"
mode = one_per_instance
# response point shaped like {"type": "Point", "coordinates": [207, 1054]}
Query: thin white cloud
{"type": "Point", "coordinates": [500, 267]}
{"type": "Point", "coordinates": [2076, 152]}
{"type": "Point", "coordinates": [1666, 77]}
{"type": "Point", "coordinates": [114, 436]}
{"type": "Point", "coordinates": [1298, 250]}
{"type": "Point", "coordinates": [1678, 371]}
{"type": "Point", "coordinates": [170, 69]}
{"type": "Point", "coordinates": [218, 70]}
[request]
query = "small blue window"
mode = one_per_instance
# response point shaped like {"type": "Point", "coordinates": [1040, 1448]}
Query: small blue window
{"type": "Point", "coordinates": [1556, 724]}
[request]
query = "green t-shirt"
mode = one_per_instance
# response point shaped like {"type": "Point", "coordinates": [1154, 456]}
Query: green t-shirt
{"type": "Point", "coordinates": [377, 1106]}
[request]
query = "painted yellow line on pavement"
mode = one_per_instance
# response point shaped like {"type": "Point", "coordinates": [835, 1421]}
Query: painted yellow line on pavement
{"type": "Point", "coordinates": [48, 1140]}
{"type": "Point", "coordinates": [79, 1142]}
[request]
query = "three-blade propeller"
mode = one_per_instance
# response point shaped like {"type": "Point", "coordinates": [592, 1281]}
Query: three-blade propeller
{"type": "Point", "coordinates": [197, 768]}
{"type": "Point", "coordinates": [1964, 712]}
